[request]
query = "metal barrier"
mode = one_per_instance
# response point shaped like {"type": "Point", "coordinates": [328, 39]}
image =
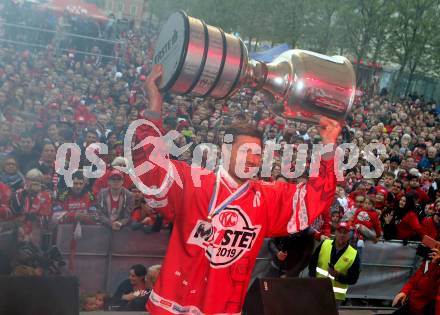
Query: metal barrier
{"type": "Point", "coordinates": [103, 257]}
{"type": "Point", "coordinates": [386, 266]}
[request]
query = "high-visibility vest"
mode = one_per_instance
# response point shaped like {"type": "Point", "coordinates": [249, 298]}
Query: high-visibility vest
{"type": "Point", "coordinates": [342, 265]}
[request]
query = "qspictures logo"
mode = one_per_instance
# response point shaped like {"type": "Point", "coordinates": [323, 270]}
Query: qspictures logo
{"type": "Point", "coordinates": [163, 149]}
{"type": "Point", "coordinates": [226, 238]}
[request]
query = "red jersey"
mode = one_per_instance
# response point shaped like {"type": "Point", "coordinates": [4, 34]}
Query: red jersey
{"type": "Point", "coordinates": [369, 219]}
{"type": "Point", "coordinates": [430, 228]}
{"type": "Point", "coordinates": [409, 227]}
{"type": "Point", "coordinates": [208, 264]}
{"type": "Point", "coordinates": [69, 205]}
{"type": "Point", "coordinates": [422, 288]}
{"type": "Point", "coordinates": [5, 199]}
{"type": "Point", "coordinates": [137, 216]}
{"type": "Point", "coordinates": [423, 196]}
{"type": "Point", "coordinates": [25, 203]}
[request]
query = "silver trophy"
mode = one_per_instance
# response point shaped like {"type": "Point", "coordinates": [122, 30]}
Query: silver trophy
{"type": "Point", "coordinates": [204, 61]}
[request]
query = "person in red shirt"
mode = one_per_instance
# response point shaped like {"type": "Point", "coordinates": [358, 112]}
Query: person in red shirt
{"type": "Point", "coordinates": [414, 187]}
{"type": "Point", "coordinates": [102, 182]}
{"type": "Point", "coordinates": [146, 218]}
{"type": "Point", "coordinates": [5, 198]}
{"type": "Point", "coordinates": [431, 226]}
{"type": "Point", "coordinates": [403, 223]}
{"type": "Point", "coordinates": [132, 293]}
{"type": "Point", "coordinates": [361, 189]}
{"type": "Point", "coordinates": [366, 220]}
{"type": "Point", "coordinates": [214, 244]}
{"type": "Point", "coordinates": [76, 204]}
{"type": "Point", "coordinates": [32, 199]}
{"type": "Point", "coordinates": [421, 294]}
{"type": "Point", "coordinates": [381, 198]}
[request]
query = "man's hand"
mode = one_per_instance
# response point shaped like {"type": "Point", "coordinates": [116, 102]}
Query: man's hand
{"type": "Point", "coordinates": [147, 221]}
{"type": "Point", "coordinates": [281, 255]}
{"type": "Point", "coordinates": [388, 218]}
{"type": "Point", "coordinates": [129, 297]}
{"type": "Point", "coordinates": [333, 272]}
{"type": "Point", "coordinates": [400, 299]}
{"type": "Point", "coordinates": [329, 130]}
{"type": "Point", "coordinates": [435, 256]}
{"type": "Point", "coordinates": [154, 96]}
{"type": "Point", "coordinates": [324, 237]}
{"type": "Point", "coordinates": [116, 226]}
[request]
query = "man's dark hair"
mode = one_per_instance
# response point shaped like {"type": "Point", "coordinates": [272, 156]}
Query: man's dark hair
{"type": "Point", "coordinates": [411, 177]}
{"type": "Point", "coordinates": [139, 270]}
{"type": "Point", "coordinates": [78, 175]}
{"type": "Point", "coordinates": [46, 169]}
{"type": "Point", "coordinates": [421, 146]}
{"type": "Point", "coordinates": [93, 132]}
{"type": "Point", "coordinates": [398, 181]}
{"type": "Point", "coordinates": [395, 159]}
{"type": "Point", "coordinates": [390, 174]}
{"type": "Point", "coordinates": [66, 134]}
{"type": "Point", "coordinates": [243, 129]}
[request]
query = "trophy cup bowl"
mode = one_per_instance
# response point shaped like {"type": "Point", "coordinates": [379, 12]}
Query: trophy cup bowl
{"type": "Point", "coordinates": [203, 61]}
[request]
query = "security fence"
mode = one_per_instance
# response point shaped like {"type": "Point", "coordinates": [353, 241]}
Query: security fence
{"type": "Point", "coordinates": [101, 258]}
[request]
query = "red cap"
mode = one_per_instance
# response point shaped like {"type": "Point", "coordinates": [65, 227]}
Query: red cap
{"type": "Point", "coordinates": [80, 119]}
{"type": "Point", "coordinates": [116, 173]}
{"type": "Point", "coordinates": [344, 225]}
{"type": "Point", "coordinates": [381, 190]}
{"type": "Point", "coordinates": [142, 78]}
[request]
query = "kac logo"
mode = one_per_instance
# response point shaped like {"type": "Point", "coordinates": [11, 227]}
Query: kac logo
{"type": "Point", "coordinates": [227, 238]}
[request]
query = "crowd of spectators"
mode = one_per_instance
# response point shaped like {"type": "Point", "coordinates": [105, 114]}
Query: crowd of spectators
{"type": "Point", "coordinates": [50, 97]}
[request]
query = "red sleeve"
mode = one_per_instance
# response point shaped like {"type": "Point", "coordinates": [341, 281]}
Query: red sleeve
{"type": "Point", "coordinates": [292, 208]}
{"type": "Point", "coordinates": [5, 195]}
{"type": "Point", "coordinates": [169, 200]}
{"type": "Point", "coordinates": [69, 216]}
{"type": "Point", "coordinates": [377, 225]}
{"type": "Point", "coordinates": [424, 198]}
{"type": "Point", "coordinates": [414, 223]}
{"type": "Point", "coordinates": [437, 303]}
{"type": "Point", "coordinates": [413, 280]}
{"type": "Point", "coordinates": [428, 228]}
{"type": "Point", "coordinates": [46, 204]}
{"type": "Point", "coordinates": [100, 183]}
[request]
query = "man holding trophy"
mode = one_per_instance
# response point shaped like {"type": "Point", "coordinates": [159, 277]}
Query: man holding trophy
{"type": "Point", "coordinates": [220, 223]}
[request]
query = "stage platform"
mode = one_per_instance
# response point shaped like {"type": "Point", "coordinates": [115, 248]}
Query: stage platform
{"type": "Point", "coordinates": [342, 312]}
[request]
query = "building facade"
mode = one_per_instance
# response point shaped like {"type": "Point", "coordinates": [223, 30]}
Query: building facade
{"type": "Point", "coordinates": [127, 9]}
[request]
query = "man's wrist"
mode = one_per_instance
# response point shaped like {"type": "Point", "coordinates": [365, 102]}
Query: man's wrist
{"type": "Point", "coordinates": [153, 115]}
{"type": "Point", "coordinates": [331, 154]}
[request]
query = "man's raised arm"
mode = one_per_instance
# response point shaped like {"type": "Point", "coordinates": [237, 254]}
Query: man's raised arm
{"type": "Point", "coordinates": [154, 109]}
{"type": "Point", "coordinates": [153, 168]}
{"type": "Point", "coordinates": [295, 206]}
